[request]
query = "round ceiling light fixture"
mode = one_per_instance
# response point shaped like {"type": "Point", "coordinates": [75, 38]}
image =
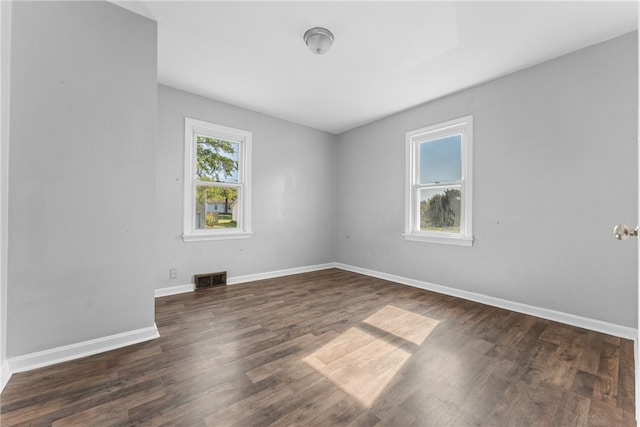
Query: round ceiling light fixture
{"type": "Point", "coordinates": [318, 40]}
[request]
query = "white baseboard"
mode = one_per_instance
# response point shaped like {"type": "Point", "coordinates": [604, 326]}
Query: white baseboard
{"type": "Point", "coordinates": [279, 273]}
{"type": "Point", "coordinates": [174, 290]}
{"type": "Point", "coordinates": [82, 349]}
{"type": "Point", "coordinates": [5, 374]}
{"type": "Point", "coordinates": [557, 316]}
{"type": "Point", "coordinates": [88, 348]}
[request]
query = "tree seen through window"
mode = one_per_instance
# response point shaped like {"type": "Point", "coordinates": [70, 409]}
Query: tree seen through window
{"type": "Point", "coordinates": [441, 211]}
{"type": "Point", "coordinates": [217, 162]}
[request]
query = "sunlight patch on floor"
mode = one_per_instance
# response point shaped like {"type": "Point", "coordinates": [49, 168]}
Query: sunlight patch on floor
{"type": "Point", "coordinates": [359, 363]}
{"type": "Point", "coordinates": [402, 323]}
{"type": "Point", "coordinates": [364, 365]}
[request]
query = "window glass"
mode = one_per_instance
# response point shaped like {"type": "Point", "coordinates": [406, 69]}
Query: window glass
{"type": "Point", "coordinates": [440, 209]}
{"type": "Point", "coordinates": [216, 207]}
{"type": "Point", "coordinates": [217, 182]}
{"type": "Point", "coordinates": [217, 160]}
{"type": "Point", "coordinates": [438, 192]}
{"type": "Point", "coordinates": [440, 160]}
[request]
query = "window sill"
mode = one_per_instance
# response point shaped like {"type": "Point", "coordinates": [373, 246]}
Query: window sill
{"type": "Point", "coordinates": [197, 237]}
{"type": "Point", "coordinates": [448, 240]}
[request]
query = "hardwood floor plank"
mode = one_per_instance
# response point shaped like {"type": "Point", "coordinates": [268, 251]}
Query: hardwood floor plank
{"type": "Point", "coordinates": [526, 405]}
{"type": "Point", "coordinates": [605, 388]}
{"type": "Point", "coordinates": [114, 412]}
{"type": "Point", "coordinates": [334, 348]}
{"type": "Point", "coordinates": [583, 384]}
{"type": "Point", "coordinates": [573, 410]}
{"type": "Point", "coordinates": [603, 414]}
{"type": "Point", "coordinates": [626, 377]}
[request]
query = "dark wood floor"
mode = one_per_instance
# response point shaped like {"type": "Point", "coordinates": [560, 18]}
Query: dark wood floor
{"type": "Point", "coordinates": [334, 348]}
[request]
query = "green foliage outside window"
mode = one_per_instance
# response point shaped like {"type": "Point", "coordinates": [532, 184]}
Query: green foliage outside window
{"type": "Point", "coordinates": [215, 159]}
{"type": "Point", "coordinates": [441, 212]}
{"type": "Point", "coordinates": [206, 195]}
{"type": "Point", "coordinates": [219, 221]}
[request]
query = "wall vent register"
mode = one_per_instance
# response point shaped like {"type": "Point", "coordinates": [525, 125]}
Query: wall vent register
{"type": "Point", "coordinates": [203, 281]}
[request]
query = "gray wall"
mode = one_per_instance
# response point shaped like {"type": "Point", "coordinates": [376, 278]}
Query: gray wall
{"type": "Point", "coordinates": [95, 221]}
{"type": "Point", "coordinates": [293, 178]}
{"type": "Point", "coordinates": [82, 177]}
{"type": "Point", "coordinates": [555, 168]}
{"type": "Point", "coordinates": [5, 49]}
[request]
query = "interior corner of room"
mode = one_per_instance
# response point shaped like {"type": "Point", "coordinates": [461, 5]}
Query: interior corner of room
{"type": "Point", "coordinates": [92, 170]}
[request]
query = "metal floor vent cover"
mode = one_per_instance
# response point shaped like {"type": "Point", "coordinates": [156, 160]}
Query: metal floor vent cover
{"type": "Point", "coordinates": [210, 280]}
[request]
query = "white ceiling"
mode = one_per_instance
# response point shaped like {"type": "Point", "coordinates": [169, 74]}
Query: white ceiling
{"type": "Point", "coordinates": [387, 56]}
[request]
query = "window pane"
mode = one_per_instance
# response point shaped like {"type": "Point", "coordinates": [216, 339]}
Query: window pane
{"type": "Point", "coordinates": [440, 209]}
{"type": "Point", "coordinates": [216, 207]}
{"type": "Point", "coordinates": [217, 160]}
{"type": "Point", "coordinates": [440, 160]}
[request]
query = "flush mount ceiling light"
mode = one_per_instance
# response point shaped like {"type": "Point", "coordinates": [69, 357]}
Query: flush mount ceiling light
{"type": "Point", "coordinates": [318, 40]}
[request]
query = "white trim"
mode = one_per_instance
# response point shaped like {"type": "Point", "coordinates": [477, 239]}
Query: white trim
{"type": "Point", "coordinates": [461, 126]}
{"type": "Point", "coordinates": [201, 237]}
{"type": "Point", "coordinates": [174, 290]}
{"type": "Point", "coordinates": [430, 238]}
{"type": "Point", "coordinates": [278, 273]}
{"type": "Point", "coordinates": [544, 313]}
{"type": "Point", "coordinates": [244, 139]}
{"type": "Point", "coordinates": [5, 375]}
{"type": "Point", "coordinates": [79, 350]}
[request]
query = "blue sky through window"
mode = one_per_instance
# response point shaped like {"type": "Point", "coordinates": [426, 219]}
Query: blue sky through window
{"type": "Point", "coordinates": [440, 160]}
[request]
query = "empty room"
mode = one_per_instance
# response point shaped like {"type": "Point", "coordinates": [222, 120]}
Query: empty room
{"type": "Point", "coordinates": [318, 213]}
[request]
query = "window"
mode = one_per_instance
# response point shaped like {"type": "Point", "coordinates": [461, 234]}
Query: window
{"type": "Point", "coordinates": [438, 183]}
{"type": "Point", "coordinates": [217, 185]}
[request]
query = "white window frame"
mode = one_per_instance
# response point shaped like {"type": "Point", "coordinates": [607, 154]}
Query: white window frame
{"type": "Point", "coordinates": [464, 127]}
{"type": "Point", "coordinates": [243, 138]}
